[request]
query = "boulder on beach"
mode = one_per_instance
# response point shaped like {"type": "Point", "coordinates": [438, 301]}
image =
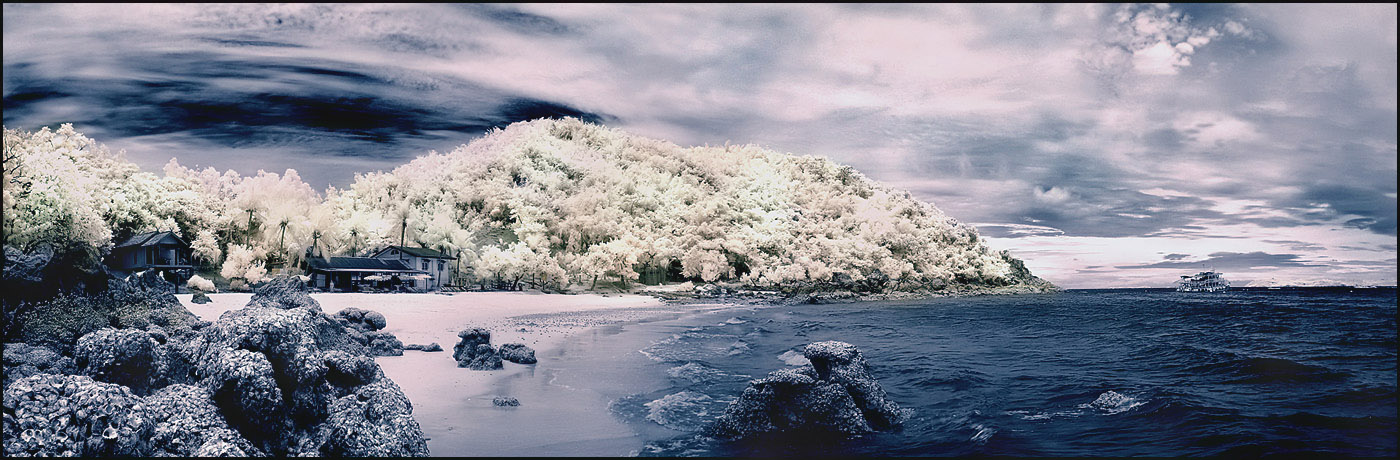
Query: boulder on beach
{"type": "Point", "coordinates": [518, 353]}
{"type": "Point", "coordinates": [373, 421]}
{"type": "Point", "coordinates": [23, 360]}
{"type": "Point", "coordinates": [189, 424]}
{"type": "Point", "coordinates": [425, 348]}
{"type": "Point", "coordinates": [364, 320]}
{"type": "Point", "coordinates": [475, 352]}
{"type": "Point", "coordinates": [505, 401]}
{"type": "Point", "coordinates": [364, 327]}
{"type": "Point", "coordinates": [382, 343]}
{"type": "Point", "coordinates": [73, 415]}
{"type": "Point", "coordinates": [281, 378]}
{"type": "Point", "coordinates": [128, 357]}
{"type": "Point", "coordinates": [136, 301]}
{"type": "Point", "coordinates": [834, 394]}
{"type": "Point", "coordinates": [284, 292]}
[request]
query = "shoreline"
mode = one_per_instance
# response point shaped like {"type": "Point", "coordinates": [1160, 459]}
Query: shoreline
{"type": "Point", "coordinates": [451, 402]}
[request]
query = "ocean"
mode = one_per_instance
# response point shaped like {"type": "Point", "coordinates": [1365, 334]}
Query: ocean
{"type": "Point", "coordinates": [1129, 372]}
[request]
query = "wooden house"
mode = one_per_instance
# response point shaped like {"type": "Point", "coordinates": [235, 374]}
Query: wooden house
{"type": "Point", "coordinates": [350, 274]}
{"type": "Point", "coordinates": [159, 250]}
{"type": "Point", "coordinates": [437, 265]}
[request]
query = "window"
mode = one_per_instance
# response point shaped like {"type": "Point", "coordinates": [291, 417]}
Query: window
{"type": "Point", "coordinates": [442, 265]}
{"type": "Point", "coordinates": [425, 264]}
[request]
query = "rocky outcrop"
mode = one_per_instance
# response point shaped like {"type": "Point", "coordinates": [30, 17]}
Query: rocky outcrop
{"type": "Point", "coordinates": [286, 379]}
{"type": "Point", "coordinates": [505, 401]}
{"type": "Point", "coordinates": [835, 394]}
{"type": "Point", "coordinates": [364, 320]}
{"type": "Point", "coordinates": [518, 353]}
{"type": "Point", "coordinates": [200, 298]}
{"type": "Point", "coordinates": [189, 424]}
{"type": "Point", "coordinates": [24, 360]}
{"type": "Point", "coordinates": [364, 326]}
{"type": "Point", "coordinates": [127, 357]}
{"type": "Point", "coordinates": [475, 352]}
{"type": "Point", "coordinates": [382, 343]}
{"type": "Point", "coordinates": [73, 415]}
{"type": "Point", "coordinates": [284, 292]}
{"type": "Point", "coordinates": [426, 348]}
{"type": "Point", "coordinates": [137, 301]}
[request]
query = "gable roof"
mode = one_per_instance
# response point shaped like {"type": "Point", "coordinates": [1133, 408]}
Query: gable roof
{"type": "Point", "coordinates": [417, 252]}
{"type": "Point", "coordinates": [150, 239]}
{"type": "Point", "coordinates": [357, 264]}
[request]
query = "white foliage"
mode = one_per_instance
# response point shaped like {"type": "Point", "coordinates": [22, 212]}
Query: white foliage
{"type": "Point", "coordinates": [548, 199]}
{"type": "Point", "coordinates": [198, 282]}
{"type": "Point", "coordinates": [243, 262]}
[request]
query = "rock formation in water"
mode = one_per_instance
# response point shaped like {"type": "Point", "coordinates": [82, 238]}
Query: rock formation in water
{"type": "Point", "coordinates": [475, 352]}
{"type": "Point", "coordinates": [834, 394]}
{"type": "Point", "coordinates": [518, 353]}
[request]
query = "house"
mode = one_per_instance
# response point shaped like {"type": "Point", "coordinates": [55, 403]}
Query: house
{"type": "Point", "coordinates": [349, 274]}
{"type": "Point", "coordinates": [437, 265]}
{"type": "Point", "coordinates": [160, 250]}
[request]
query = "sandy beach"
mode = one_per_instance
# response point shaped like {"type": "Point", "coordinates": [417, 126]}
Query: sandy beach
{"type": "Point", "coordinates": [454, 405]}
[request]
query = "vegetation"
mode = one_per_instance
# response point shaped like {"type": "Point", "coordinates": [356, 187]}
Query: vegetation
{"type": "Point", "coordinates": [562, 201]}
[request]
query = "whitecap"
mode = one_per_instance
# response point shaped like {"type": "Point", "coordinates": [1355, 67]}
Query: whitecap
{"type": "Point", "coordinates": [793, 358]}
{"type": "Point", "coordinates": [983, 433]}
{"type": "Point", "coordinates": [685, 411]}
{"type": "Point", "coordinates": [1112, 402]}
{"type": "Point", "coordinates": [700, 373]}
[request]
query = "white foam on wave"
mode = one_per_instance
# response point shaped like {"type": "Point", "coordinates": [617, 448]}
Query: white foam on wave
{"type": "Point", "coordinates": [700, 373]}
{"type": "Point", "coordinates": [793, 358]}
{"type": "Point", "coordinates": [733, 321]}
{"type": "Point", "coordinates": [684, 411]}
{"type": "Point", "coordinates": [983, 433]}
{"type": "Point", "coordinates": [739, 347]}
{"type": "Point", "coordinates": [1111, 402]}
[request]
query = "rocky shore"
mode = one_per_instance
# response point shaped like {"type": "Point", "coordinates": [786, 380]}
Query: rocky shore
{"type": "Point", "coordinates": [278, 377]}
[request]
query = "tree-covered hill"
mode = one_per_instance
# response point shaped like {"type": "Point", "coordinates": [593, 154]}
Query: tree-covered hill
{"type": "Point", "coordinates": [564, 201]}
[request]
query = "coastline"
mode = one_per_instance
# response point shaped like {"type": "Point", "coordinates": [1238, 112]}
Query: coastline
{"type": "Point", "coordinates": [454, 406]}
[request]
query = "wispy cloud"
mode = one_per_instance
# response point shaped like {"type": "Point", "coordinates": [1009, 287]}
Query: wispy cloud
{"type": "Point", "coordinates": [1047, 124]}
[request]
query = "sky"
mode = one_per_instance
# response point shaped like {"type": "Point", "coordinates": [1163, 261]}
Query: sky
{"type": "Point", "coordinates": [1106, 145]}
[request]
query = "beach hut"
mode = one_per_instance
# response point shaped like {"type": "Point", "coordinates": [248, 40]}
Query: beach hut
{"type": "Point", "coordinates": [435, 264]}
{"type": "Point", "coordinates": [351, 274]}
{"type": "Point", "coordinates": [158, 250]}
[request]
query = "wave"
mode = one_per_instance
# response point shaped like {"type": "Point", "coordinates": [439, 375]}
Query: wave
{"type": "Point", "coordinates": [1271, 370]}
{"type": "Point", "coordinates": [1111, 402]}
{"type": "Point", "coordinates": [793, 358]}
{"type": "Point", "coordinates": [685, 411]}
{"type": "Point", "coordinates": [700, 373]}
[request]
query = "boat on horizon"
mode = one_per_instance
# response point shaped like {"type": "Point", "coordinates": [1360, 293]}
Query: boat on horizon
{"type": "Point", "coordinates": [1207, 281]}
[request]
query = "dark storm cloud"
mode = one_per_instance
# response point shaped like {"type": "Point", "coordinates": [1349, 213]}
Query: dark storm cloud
{"type": "Point", "coordinates": [310, 107]}
{"type": "Point", "coordinates": [1233, 261]}
{"type": "Point", "coordinates": [517, 20]}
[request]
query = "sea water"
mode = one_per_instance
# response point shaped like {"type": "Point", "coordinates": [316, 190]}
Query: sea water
{"type": "Point", "coordinates": [1078, 373]}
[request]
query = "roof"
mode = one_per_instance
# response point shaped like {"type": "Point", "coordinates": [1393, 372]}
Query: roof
{"type": "Point", "coordinates": [357, 264]}
{"type": "Point", "coordinates": [418, 252]}
{"type": "Point", "coordinates": [150, 239]}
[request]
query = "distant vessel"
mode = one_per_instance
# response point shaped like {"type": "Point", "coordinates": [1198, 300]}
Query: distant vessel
{"type": "Point", "coordinates": [1202, 282]}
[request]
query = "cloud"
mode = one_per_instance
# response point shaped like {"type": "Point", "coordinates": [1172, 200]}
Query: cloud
{"type": "Point", "coordinates": [1039, 121]}
{"type": "Point", "coordinates": [1232, 261]}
